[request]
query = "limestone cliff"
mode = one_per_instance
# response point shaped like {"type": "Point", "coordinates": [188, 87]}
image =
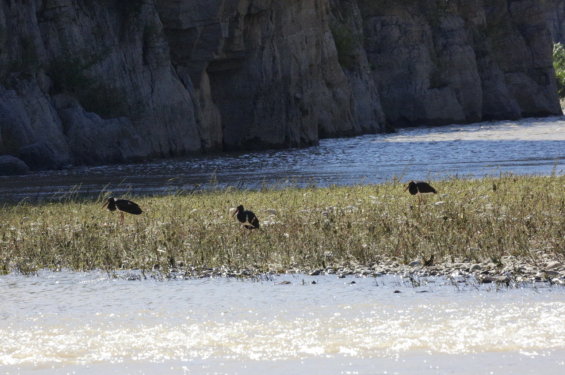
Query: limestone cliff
{"type": "Point", "coordinates": [103, 81]}
{"type": "Point", "coordinates": [439, 62]}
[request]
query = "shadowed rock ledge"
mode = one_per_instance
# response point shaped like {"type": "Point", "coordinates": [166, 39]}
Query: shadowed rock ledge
{"type": "Point", "coordinates": [95, 82]}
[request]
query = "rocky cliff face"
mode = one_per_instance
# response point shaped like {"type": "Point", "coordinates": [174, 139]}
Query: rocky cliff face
{"type": "Point", "coordinates": [555, 16]}
{"type": "Point", "coordinates": [93, 82]}
{"type": "Point", "coordinates": [439, 62]}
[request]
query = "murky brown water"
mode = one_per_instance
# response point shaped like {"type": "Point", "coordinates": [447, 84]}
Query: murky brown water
{"type": "Point", "coordinates": [527, 146]}
{"type": "Point", "coordinates": [89, 323]}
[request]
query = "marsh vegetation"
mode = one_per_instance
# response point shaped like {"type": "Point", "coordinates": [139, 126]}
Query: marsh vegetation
{"type": "Point", "coordinates": [473, 220]}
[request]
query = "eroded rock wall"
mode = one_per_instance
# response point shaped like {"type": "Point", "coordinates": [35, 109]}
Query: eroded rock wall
{"type": "Point", "coordinates": [93, 82]}
{"type": "Point", "coordinates": [458, 61]}
{"type": "Point", "coordinates": [86, 79]}
{"type": "Point", "coordinates": [266, 74]}
{"type": "Point", "coordinates": [555, 16]}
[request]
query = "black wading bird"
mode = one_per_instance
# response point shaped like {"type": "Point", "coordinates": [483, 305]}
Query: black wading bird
{"type": "Point", "coordinates": [122, 205]}
{"type": "Point", "coordinates": [420, 188]}
{"type": "Point", "coordinates": [247, 218]}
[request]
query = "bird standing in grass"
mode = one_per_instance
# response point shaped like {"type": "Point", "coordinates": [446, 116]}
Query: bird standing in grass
{"type": "Point", "coordinates": [247, 218]}
{"type": "Point", "coordinates": [420, 188]}
{"type": "Point", "coordinates": [122, 205]}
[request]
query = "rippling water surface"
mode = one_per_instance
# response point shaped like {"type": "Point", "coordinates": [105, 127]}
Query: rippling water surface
{"type": "Point", "coordinates": [526, 146]}
{"type": "Point", "coordinates": [90, 323]}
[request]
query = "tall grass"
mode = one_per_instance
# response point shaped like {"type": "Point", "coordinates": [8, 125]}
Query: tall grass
{"type": "Point", "coordinates": [559, 65]}
{"type": "Point", "coordinates": [524, 216]}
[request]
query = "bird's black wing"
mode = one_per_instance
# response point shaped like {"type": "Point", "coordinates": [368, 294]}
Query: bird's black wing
{"type": "Point", "coordinates": [255, 222]}
{"type": "Point", "coordinates": [251, 218]}
{"type": "Point", "coordinates": [424, 187]}
{"type": "Point", "coordinates": [128, 206]}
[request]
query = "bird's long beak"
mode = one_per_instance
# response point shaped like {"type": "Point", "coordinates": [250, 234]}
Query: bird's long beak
{"type": "Point", "coordinates": [236, 211]}
{"type": "Point", "coordinates": [406, 189]}
{"type": "Point", "coordinates": [105, 204]}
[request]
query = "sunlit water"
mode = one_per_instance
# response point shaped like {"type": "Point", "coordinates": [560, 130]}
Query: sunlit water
{"type": "Point", "coordinates": [89, 323]}
{"type": "Point", "coordinates": [526, 146]}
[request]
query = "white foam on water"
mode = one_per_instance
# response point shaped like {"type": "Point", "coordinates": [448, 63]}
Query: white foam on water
{"type": "Point", "coordinates": [86, 320]}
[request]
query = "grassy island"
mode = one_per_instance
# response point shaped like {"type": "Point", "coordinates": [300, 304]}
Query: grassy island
{"type": "Point", "coordinates": [505, 223]}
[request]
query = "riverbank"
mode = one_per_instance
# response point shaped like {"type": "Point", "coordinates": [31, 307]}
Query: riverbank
{"type": "Point", "coordinates": [494, 228]}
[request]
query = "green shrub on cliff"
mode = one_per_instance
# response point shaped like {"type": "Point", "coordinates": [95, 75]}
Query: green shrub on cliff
{"type": "Point", "coordinates": [129, 7]}
{"type": "Point", "coordinates": [559, 65]}
{"type": "Point", "coordinates": [126, 8]}
{"type": "Point", "coordinates": [69, 74]}
{"type": "Point", "coordinates": [346, 44]}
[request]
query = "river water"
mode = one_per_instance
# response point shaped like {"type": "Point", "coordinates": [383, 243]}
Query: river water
{"type": "Point", "coordinates": [526, 146]}
{"type": "Point", "coordinates": [90, 323]}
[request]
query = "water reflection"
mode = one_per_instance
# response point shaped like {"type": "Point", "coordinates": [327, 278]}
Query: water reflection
{"type": "Point", "coordinates": [526, 146]}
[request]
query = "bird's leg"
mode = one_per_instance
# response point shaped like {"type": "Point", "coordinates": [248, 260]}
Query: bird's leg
{"type": "Point", "coordinates": [122, 221]}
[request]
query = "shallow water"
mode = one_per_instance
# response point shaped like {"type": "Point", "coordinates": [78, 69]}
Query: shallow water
{"type": "Point", "coordinates": [90, 323]}
{"type": "Point", "coordinates": [526, 146]}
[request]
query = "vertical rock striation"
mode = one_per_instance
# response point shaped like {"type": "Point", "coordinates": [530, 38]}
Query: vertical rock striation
{"type": "Point", "coordinates": [555, 16]}
{"type": "Point", "coordinates": [460, 61]}
{"type": "Point", "coordinates": [94, 82]}
{"type": "Point", "coordinates": [90, 82]}
{"type": "Point", "coordinates": [265, 74]}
